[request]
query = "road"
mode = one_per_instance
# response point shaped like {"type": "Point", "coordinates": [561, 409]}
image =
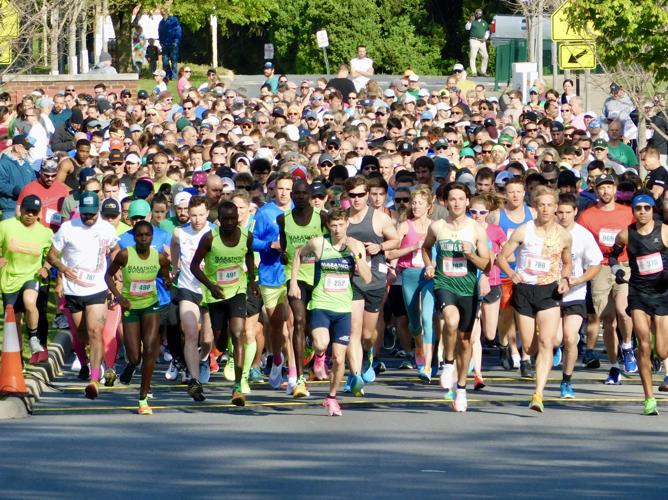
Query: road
{"type": "Point", "coordinates": [401, 441]}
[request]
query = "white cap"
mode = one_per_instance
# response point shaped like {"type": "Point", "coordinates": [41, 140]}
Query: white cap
{"type": "Point", "coordinates": [389, 93]}
{"type": "Point", "coordinates": [409, 98]}
{"type": "Point", "coordinates": [246, 141]}
{"type": "Point", "coordinates": [132, 158]}
{"type": "Point", "coordinates": [458, 67]}
{"type": "Point", "coordinates": [227, 182]}
{"type": "Point", "coordinates": [292, 132]}
{"type": "Point", "coordinates": [264, 153]}
{"type": "Point", "coordinates": [423, 92]}
{"type": "Point", "coordinates": [182, 198]}
{"type": "Point", "coordinates": [413, 78]}
{"type": "Point", "coordinates": [441, 106]}
{"type": "Point", "coordinates": [593, 114]}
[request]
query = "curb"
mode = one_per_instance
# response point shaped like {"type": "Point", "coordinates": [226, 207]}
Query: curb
{"type": "Point", "coordinates": [38, 378]}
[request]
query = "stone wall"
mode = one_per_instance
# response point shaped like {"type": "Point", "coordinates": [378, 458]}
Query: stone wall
{"type": "Point", "coordinates": [20, 85]}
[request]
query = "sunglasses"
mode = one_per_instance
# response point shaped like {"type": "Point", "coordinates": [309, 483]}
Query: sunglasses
{"type": "Point", "coordinates": [643, 208]}
{"type": "Point", "coordinates": [402, 200]}
{"type": "Point", "coordinates": [319, 196]}
{"type": "Point", "coordinates": [247, 188]}
{"type": "Point", "coordinates": [550, 163]}
{"type": "Point", "coordinates": [486, 152]}
{"type": "Point", "coordinates": [531, 129]}
{"type": "Point", "coordinates": [187, 71]}
{"type": "Point", "coordinates": [565, 110]}
{"type": "Point", "coordinates": [70, 90]}
{"type": "Point", "coordinates": [478, 212]}
{"type": "Point", "coordinates": [199, 186]}
{"type": "Point", "coordinates": [551, 181]}
{"type": "Point", "coordinates": [357, 195]}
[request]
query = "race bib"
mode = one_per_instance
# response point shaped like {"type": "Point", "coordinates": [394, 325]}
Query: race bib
{"type": "Point", "coordinates": [228, 275]}
{"type": "Point", "coordinates": [650, 264]}
{"type": "Point", "coordinates": [53, 217]}
{"type": "Point", "coordinates": [87, 278]}
{"type": "Point", "coordinates": [536, 265]}
{"type": "Point", "coordinates": [454, 266]}
{"type": "Point", "coordinates": [337, 283]}
{"type": "Point", "coordinates": [142, 288]}
{"type": "Point", "coordinates": [606, 237]}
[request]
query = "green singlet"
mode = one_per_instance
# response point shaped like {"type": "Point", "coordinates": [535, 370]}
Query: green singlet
{"type": "Point", "coordinates": [297, 236]}
{"type": "Point", "coordinates": [333, 273]}
{"type": "Point", "coordinates": [225, 266]}
{"type": "Point", "coordinates": [139, 278]}
{"type": "Point", "coordinates": [454, 272]}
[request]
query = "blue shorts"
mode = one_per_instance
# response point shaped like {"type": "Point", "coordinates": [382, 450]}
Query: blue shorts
{"type": "Point", "coordinates": [338, 324]}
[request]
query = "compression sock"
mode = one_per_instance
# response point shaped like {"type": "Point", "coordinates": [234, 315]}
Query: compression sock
{"type": "Point", "coordinates": [249, 356]}
{"type": "Point", "coordinates": [278, 359]}
{"type": "Point", "coordinates": [94, 374]}
{"type": "Point", "coordinates": [566, 378]}
{"type": "Point", "coordinates": [292, 372]}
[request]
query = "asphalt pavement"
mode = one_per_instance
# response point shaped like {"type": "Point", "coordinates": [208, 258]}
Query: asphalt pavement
{"type": "Point", "coordinates": [401, 441]}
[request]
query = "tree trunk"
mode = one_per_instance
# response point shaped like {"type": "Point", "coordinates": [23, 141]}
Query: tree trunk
{"type": "Point", "coordinates": [83, 54]}
{"type": "Point", "coordinates": [53, 46]}
{"type": "Point", "coordinates": [72, 59]}
{"type": "Point", "coordinates": [123, 48]}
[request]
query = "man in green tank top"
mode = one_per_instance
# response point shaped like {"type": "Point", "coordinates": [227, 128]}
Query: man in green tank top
{"type": "Point", "coordinates": [229, 269]}
{"type": "Point", "coordinates": [140, 265]}
{"type": "Point", "coordinates": [336, 261]}
{"type": "Point", "coordinates": [297, 227]}
{"type": "Point", "coordinates": [461, 245]}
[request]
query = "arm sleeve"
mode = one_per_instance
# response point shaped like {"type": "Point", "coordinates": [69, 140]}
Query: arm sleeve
{"type": "Point", "coordinates": [259, 243]}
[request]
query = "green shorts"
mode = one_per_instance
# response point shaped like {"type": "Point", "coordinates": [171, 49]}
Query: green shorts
{"type": "Point", "coordinates": [135, 315]}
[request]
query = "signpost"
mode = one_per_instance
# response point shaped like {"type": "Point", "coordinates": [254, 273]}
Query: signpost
{"type": "Point", "coordinates": [323, 43]}
{"type": "Point", "coordinates": [268, 51]}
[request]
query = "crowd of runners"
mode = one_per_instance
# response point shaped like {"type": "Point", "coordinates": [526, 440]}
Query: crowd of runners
{"type": "Point", "coordinates": [294, 235]}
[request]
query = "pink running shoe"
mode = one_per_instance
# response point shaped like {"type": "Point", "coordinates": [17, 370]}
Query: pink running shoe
{"type": "Point", "coordinates": [333, 407]}
{"type": "Point", "coordinates": [320, 368]}
{"type": "Point", "coordinates": [43, 356]}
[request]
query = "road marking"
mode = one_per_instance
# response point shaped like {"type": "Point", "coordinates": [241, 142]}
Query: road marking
{"type": "Point", "coordinates": [433, 471]}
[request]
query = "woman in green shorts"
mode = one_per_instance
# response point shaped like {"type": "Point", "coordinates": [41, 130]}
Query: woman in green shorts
{"type": "Point", "coordinates": [140, 265]}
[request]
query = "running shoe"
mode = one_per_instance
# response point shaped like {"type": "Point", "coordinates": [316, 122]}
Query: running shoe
{"type": "Point", "coordinates": [43, 356]}
{"type": "Point", "coordinates": [172, 371]}
{"type": "Point", "coordinates": [84, 373]}
{"type": "Point", "coordinates": [238, 398]}
{"type": "Point", "coordinates": [35, 346]}
{"type": "Point", "coordinates": [357, 386]}
{"type": "Point", "coordinates": [525, 369]}
{"type": "Point", "coordinates": [290, 385]}
{"type": "Point", "coordinates": [204, 371]}
{"type": "Point", "coordinates": [425, 376]}
{"type": "Point", "coordinates": [389, 338]}
{"type": "Point", "coordinates": [320, 368]}
{"type": "Point", "coordinates": [144, 408]}
{"type": "Point", "coordinates": [76, 364]}
{"type": "Point", "coordinates": [664, 387]}
{"type": "Point", "coordinates": [349, 381]}
{"type": "Point", "coordinates": [255, 375]}
{"type": "Point", "coordinates": [434, 367]}
{"type": "Point", "coordinates": [34, 359]}
{"type": "Point", "coordinates": [245, 388]}
{"type": "Point", "coordinates": [126, 376]}
{"type": "Point", "coordinates": [556, 358]}
{"type": "Point", "coordinates": [505, 357]}
{"type": "Point", "coordinates": [300, 390]}
{"type": "Point", "coordinates": [537, 403]}
{"type": "Point", "coordinates": [60, 322]}
{"type": "Point", "coordinates": [276, 375]}
{"type": "Point", "coordinates": [614, 377]}
{"type": "Point", "coordinates": [195, 390]}
{"type": "Point", "coordinates": [567, 390]}
{"type": "Point", "coordinates": [406, 364]}
{"type": "Point", "coordinates": [449, 395]}
{"type": "Point", "coordinates": [378, 366]}
{"type": "Point", "coordinates": [478, 382]}
{"type": "Point", "coordinates": [368, 373]}
{"type": "Point", "coordinates": [109, 377]}
{"type": "Point", "coordinates": [166, 355]}
{"type": "Point", "coordinates": [447, 376]}
{"type": "Point", "coordinates": [185, 376]}
{"type": "Point", "coordinates": [228, 371]}
{"type": "Point", "coordinates": [460, 404]}
{"type": "Point", "coordinates": [268, 364]}
{"type": "Point", "coordinates": [649, 407]}
{"type": "Point", "coordinates": [333, 406]}
{"type": "Point", "coordinates": [92, 390]}
{"type": "Point", "coordinates": [213, 363]}
{"type": "Point", "coordinates": [590, 359]}
{"type": "Point", "coordinates": [630, 364]}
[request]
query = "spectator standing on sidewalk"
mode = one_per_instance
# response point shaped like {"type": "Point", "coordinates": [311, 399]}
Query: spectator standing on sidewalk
{"type": "Point", "coordinates": [478, 30]}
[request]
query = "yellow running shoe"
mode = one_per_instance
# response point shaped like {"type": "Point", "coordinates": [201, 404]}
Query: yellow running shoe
{"type": "Point", "coordinates": [228, 372]}
{"type": "Point", "coordinates": [537, 403]}
{"type": "Point", "coordinates": [300, 390]}
{"type": "Point", "coordinates": [144, 408]}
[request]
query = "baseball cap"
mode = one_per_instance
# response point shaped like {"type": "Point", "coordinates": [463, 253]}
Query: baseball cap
{"type": "Point", "coordinates": [136, 128]}
{"type": "Point", "coordinates": [143, 188]}
{"type": "Point", "coordinates": [441, 143]}
{"type": "Point", "coordinates": [139, 208]}
{"type": "Point", "coordinates": [199, 178]}
{"type": "Point", "coordinates": [427, 115]}
{"type": "Point", "coordinates": [566, 178]}
{"type": "Point", "coordinates": [458, 67]}
{"type": "Point", "coordinates": [110, 207]}
{"type": "Point", "coordinates": [116, 156]}
{"type": "Point", "coordinates": [595, 123]}
{"type": "Point", "coordinates": [413, 78]}
{"type": "Point", "coordinates": [599, 143]}
{"type": "Point", "coordinates": [467, 153]}
{"type": "Point", "coordinates": [299, 171]}
{"type": "Point", "coordinates": [311, 115]}
{"type": "Point", "coordinates": [605, 179]}
{"type": "Point", "coordinates": [441, 167]}
{"type": "Point", "coordinates": [268, 64]}
{"type": "Point", "coordinates": [318, 188]}
{"type": "Point", "coordinates": [132, 158]}
{"type": "Point", "coordinates": [404, 147]}
{"type": "Point", "coordinates": [49, 166]}
{"type": "Point", "coordinates": [556, 126]}
{"type": "Point", "coordinates": [182, 198]}
{"type": "Point", "coordinates": [389, 93]}
{"type": "Point", "coordinates": [23, 140]}
{"type": "Point", "coordinates": [31, 202]}
{"type": "Point", "coordinates": [85, 174]}
{"type": "Point", "coordinates": [502, 177]}
{"type": "Point", "coordinates": [533, 90]}
{"type": "Point", "coordinates": [142, 94]}
{"type": "Point", "coordinates": [159, 72]}
{"type": "Point", "coordinates": [614, 88]}
{"type": "Point", "coordinates": [325, 158]}
{"type": "Point", "coordinates": [89, 203]}
{"type": "Point", "coordinates": [126, 93]}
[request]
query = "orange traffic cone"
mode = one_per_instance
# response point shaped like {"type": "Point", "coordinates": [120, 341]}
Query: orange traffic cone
{"type": "Point", "coordinates": [12, 382]}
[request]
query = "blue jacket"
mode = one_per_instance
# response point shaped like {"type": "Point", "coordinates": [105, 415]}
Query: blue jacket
{"type": "Point", "coordinates": [270, 271]}
{"type": "Point", "coordinates": [14, 176]}
{"type": "Point", "coordinates": [170, 32]}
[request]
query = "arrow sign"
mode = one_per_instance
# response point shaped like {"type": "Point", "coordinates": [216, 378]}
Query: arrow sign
{"type": "Point", "coordinates": [575, 57]}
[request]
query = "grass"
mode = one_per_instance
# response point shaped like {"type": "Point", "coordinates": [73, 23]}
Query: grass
{"type": "Point", "coordinates": [197, 77]}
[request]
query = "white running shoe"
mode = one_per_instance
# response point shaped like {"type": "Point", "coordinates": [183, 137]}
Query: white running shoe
{"type": "Point", "coordinates": [460, 404]}
{"type": "Point", "coordinates": [76, 364]}
{"type": "Point", "coordinates": [447, 376]}
{"type": "Point", "coordinates": [35, 346]}
{"type": "Point", "coordinates": [292, 383]}
{"type": "Point", "coordinates": [276, 376]}
{"type": "Point", "coordinates": [172, 372]}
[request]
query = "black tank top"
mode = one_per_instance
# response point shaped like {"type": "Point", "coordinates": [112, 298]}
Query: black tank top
{"type": "Point", "coordinates": [648, 259]}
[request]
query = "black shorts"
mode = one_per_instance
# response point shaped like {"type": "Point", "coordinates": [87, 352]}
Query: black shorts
{"type": "Point", "coordinates": [16, 298]}
{"type": "Point", "coordinates": [180, 294]}
{"type": "Point", "coordinates": [467, 306]}
{"type": "Point", "coordinates": [373, 299]}
{"type": "Point", "coordinates": [395, 301]}
{"type": "Point", "coordinates": [576, 308]}
{"type": "Point", "coordinates": [169, 314]}
{"type": "Point", "coordinates": [589, 301]}
{"type": "Point", "coordinates": [530, 299]}
{"type": "Point", "coordinates": [253, 303]}
{"type": "Point", "coordinates": [222, 311]}
{"type": "Point", "coordinates": [493, 295]}
{"type": "Point", "coordinates": [338, 324]}
{"type": "Point", "coordinates": [77, 304]}
{"type": "Point", "coordinates": [654, 305]}
{"type": "Point", "coordinates": [306, 292]}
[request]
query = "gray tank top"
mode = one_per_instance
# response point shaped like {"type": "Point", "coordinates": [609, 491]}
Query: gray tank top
{"type": "Point", "coordinates": [364, 232]}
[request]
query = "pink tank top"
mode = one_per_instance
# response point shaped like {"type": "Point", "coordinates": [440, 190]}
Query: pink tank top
{"type": "Point", "coordinates": [413, 259]}
{"type": "Point", "coordinates": [497, 238]}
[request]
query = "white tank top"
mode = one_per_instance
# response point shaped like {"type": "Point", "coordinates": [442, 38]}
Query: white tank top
{"type": "Point", "coordinates": [539, 259]}
{"type": "Point", "coordinates": [188, 242]}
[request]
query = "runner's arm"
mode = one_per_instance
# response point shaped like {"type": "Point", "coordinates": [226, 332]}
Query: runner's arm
{"type": "Point", "coordinates": [480, 258]}
{"type": "Point", "coordinates": [164, 269]}
{"type": "Point", "coordinates": [390, 235]}
{"type": "Point", "coordinates": [362, 266]}
{"type": "Point", "coordinates": [620, 242]}
{"type": "Point", "coordinates": [203, 247]}
{"type": "Point", "coordinates": [567, 262]}
{"type": "Point", "coordinates": [119, 261]}
{"type": "Point", "coordinates": [507, 251]}
{"type": "Point", "coordinates": [54, 259]}
{"type": "Point", "coordinates": [427, 245]}
{"type": "Point", "coordinates": [400, 252]}
{"type": "Point", "coordinates": [175, 254]}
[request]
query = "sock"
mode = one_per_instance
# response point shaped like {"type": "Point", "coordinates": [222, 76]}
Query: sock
{"type": "Point", "coordinates": [614, 365]}
{"type": "Point", "coordinates": [292, 372]}
{"type": "Point", "coordinates": [516, 359]}
{"type": "Point", "coordinates": [249, 356]}
{"type": "Point", "coordinates": [461, 387]}
{"type": "Point", "coordinates": [278, 359]}
{"type": "Point", "coordinates": [627, 345]}
{"type": "Point", "coordinates": [32, 332]}
{"type": "Point", "coordinates": [238, 370]}
{"type": "Point", "coordinates": [94, 374]}
{"type": "Point", "coordinates": [230, 345]}
{"type": "Point", "coordinates": [566, 378]}
{"type": "Point", "coordinates": [449, 361]}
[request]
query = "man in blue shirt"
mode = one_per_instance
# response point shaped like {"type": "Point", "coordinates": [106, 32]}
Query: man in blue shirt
{"type": "Point", "coordinates": [170, 34]}
{"type": "Point", "coordinates": [271, 78]}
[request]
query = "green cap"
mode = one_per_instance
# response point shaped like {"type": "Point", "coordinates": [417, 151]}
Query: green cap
{"type": "Point", "coordinates": [599, 143]}
{"type": "Point", "coordinates": [466, 153]}
{"type": "Point", "coordinates": [89, 203]}
{"type": "Point", "coordinates": [182, 123]}
{"type": "Point", "coordinates": [139, 208]}
{"type": "Point", "coordinates": [505, 138]}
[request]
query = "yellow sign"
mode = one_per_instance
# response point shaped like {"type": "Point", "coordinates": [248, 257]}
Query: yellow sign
{"type": "Point", "coordinates": [562, 31]}
{"type": "Point", "coordinates": [576, 56]}
{"type": "Point", "coordinates": [9, 30]}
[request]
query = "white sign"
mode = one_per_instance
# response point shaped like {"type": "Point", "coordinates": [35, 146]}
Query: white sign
{"type": "Point", "coordinates": [323, 41]}
{"type": "Point", "coordinates": [268, 50]}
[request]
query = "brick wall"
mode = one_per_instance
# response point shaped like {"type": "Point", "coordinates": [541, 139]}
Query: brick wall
{"type": "Point", "coordinates": [52, 84]}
